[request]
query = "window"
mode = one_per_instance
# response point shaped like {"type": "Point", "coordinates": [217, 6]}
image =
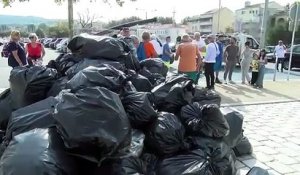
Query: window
{"type": "Point", "coordinates": [296, 49]}
{"type": "Point", "coordinates": [253, 43]}
{"type": "Point", "coordinates": [243, 12]}
{"type": "Point", "coordinates": [256, 11]}
{"type": "Point", "coordinates": [250, 11]}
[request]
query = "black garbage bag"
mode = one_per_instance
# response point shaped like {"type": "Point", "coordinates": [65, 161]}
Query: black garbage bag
{"type": "Point", "coordinates": [136, 146]}
{"type": "Point", "coordinates": [214, 147]}
{"type": "Point", "coordinates": [155, 65]}
{"type": "Point", "coordinates": [141, 83]}
{"type": "Point", "coordinates": [37, 115]}
{"type": "Point", "coordinates": [154, 78]}
{"type": "Point", "coordinates": [150, 161]}
{"type": "Point", "coordinates": [5, 108]}
{"type": "Point", "coordinates": [161, 91]}
{"type": "Point", "coordinates": [235, 121]}
{"type": "Point", "coordinates": [179, 95]}
{"type": "Point", "coordinates": [191, 163]}
{"type": "Point", "coordinates": [225, 166]}
{"type": "Point", "coordinates": [62, 63]}
{"type": "Point", "coordinates": [257, 171]}
{"type": "Point", "coordinates": [87, 62]}
{"type": "Point", "coordinates": [104, 76]}
{"type": "Point", "coordinates": [139, 108]}
{"type": "Point", "coordinates": [205, 96]}
{"type": "Point", "coordinates": [91, 46]}
{"type": "Point", "coordinates": [243, 148]}
{"type": "Point", "coordinates": [58, 86]}
{"type": "Point", "coordinates": [93, 123]}
{"type": "Point", "coordinates": [166, 135]}
{"type": "Point", "coordinates": [30, 85]}
{"type": "Point", "coordinates": [206, 120]}
{"type": "Point", "coordinates": [36, 152]}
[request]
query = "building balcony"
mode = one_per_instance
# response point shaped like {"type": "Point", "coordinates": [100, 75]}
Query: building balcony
{"type": "Point", "coordinates": [206, 16]}
{"type": "Point", "coordinates": [206, 30]}
{"type": "Point", "coordinates": [205, 23]}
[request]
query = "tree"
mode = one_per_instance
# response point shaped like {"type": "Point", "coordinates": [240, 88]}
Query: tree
{"type": "Point", "coordinates": [59, 31]}
{"type": "Point", "coordinates": [185, 20]}
{"type": "Point", "coordinates": [86, 19]}
{"type": "Point", "coordinates": [70, 9]}
{"type": "Point", "coordinates": [122, 21]}
{"type": "Point", "coordinates": [165, 20]}
{"type": "Point", "coordinates": [40, 33]}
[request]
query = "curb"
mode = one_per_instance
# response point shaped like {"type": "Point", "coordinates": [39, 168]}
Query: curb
{"type": "Point", "coordinates": [258, 103]}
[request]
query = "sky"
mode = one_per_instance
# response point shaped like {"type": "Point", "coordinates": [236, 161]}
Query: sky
{"type": "Point", "coordinates": [105, 12]}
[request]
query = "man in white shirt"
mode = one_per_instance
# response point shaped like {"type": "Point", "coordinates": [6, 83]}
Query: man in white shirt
{"type": "Point", "coordinates": [157, 45]}
{"type": "Point", "coordinates": [279, 53]}
{"type": "Point", "coordinates": [212, 52]}
{"type": "Point", "coordinates": [199, 42]}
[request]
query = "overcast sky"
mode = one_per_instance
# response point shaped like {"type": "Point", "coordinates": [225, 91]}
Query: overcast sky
{"type": "Point", "coordinates": [183, 8]}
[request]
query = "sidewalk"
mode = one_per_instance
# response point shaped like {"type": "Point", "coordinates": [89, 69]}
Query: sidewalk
{"type": "Point", "coordinates": [279, 91]}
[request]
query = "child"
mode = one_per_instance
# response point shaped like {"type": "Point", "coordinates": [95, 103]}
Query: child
{"type": "Point", "coordinates": [255, 68]}
{"type": "Point", "coordinates": [261, 72]}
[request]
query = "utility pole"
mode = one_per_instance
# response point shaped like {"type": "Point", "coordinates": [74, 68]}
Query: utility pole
{"type": "Point", "coordinates": [219, 15]}
{"type": "Point", "coordinates": [70, 18]}
{"type": "Point", "coordinates": [174, 13]}
{"type": "Point", "coordinates": [264, 25]}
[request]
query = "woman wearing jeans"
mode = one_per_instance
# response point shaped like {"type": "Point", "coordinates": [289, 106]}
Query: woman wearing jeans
{"type": "Point", "coordinates": [261, 73]}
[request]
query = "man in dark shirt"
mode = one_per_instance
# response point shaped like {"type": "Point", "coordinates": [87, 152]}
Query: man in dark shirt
{"type": "Point", "coordinates": [231, 56]}
{"type": "Point", "coordinates": [17, 55]}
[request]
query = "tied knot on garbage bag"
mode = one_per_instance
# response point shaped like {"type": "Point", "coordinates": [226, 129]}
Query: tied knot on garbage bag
{"type": "Point", "coordinates": [206, 120]}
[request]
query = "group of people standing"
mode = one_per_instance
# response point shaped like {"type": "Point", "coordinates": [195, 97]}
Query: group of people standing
{"type": "Point", "coordinates": [191, 60]}
{"type": "Point", "coordinates": [19, 54]}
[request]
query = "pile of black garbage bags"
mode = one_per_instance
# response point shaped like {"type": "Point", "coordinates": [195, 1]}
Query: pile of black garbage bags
{"type": "Point", "coordinates": [98, 111]}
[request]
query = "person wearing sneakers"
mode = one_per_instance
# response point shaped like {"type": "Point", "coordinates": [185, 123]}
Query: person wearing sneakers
{"type": "Point", "coordinates": [212, 52]}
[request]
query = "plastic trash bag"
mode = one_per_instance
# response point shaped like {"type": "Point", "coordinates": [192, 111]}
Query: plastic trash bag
{"type": "Point", "coordinates": [5, 108]}
{"type": "Point", "coordinates": [204, 96]}
{"type": "Point", "coordinates": [30, 85]}
{"type": "Point", "coordinates": [104, 76]}
{"type": "Point", "coordinates": [179, 95]}
{"type": "Point", "coordinates": [191, 163]}
{"type": "Point", "coordinates": [137, 143]}
{"type": "Point", "coordinates": [63, 63]}
{"type": "Point", "coordinates": [36, 152]}
{"type": "Point", "coordinates": [216, 148]}
{"type": "Point", "coordinates": [257, 171]}
{"type": "Point", "coordinates": [225, 166]}
{"type": "Point", "coordinates": [155, 65]}
{"type": "Point", "coordinates": [166, 135]}
{"type": "Point", "coordinates": [93, 123]}
{"type": "Point", "coordinates": [243, 148]}
{"type": "Point", "coordinates": [206, 120]}
{"type": "Point", "coordinates": [87, 62]}
{"type": "Point", "coordinates": [161, 91]}
{"type": "Point", "coordinates": [37, 115]}
{"type": "Point", "coordinates": [139, 108]}
{"type": "Point", "coordinates": [92, 46]}
{"type": "Point", "coordinates": [150, 161]}
{"type": "Point", "coordinates": [154, 78]}
{"type": "Point", "coordinates": [57, 87]}
{"type": "Point", "coordinates": [141, 83]}
{"type": "Point", "coordinates": [235, 121]}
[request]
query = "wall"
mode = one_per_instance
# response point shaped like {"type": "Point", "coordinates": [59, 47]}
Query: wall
{"type": "Point", "coordinates": [226, 20]}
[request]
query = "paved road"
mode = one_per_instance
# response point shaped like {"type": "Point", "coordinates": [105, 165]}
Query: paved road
{"type": "Point", "coordinates": [274, 132]}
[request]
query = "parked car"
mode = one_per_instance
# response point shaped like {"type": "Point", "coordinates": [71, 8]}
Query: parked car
{"type": "Point", "coordinates": [295, 58]}
{"type": "Point", "coordinates": [47, 44]}
{"type": "Point", "coordinates": [62, 46]}
{"type": "Point", "coordinates": [270, 53]}
{"type": "Point", "coordinates": [53, 44]}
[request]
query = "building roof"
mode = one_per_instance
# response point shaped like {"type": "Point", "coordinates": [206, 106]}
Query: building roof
{"type": "Point", "coordinates": [257, 5]}
{"type": "Point", "coordinates": [211, 11]}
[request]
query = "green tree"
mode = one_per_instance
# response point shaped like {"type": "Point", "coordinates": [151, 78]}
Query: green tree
{"type": "Point", "coordinates": [58, 31]}
{"type": "Point", "coordinates": [70, 9]}
{"type": "Point", "coordinates": [40, 33]}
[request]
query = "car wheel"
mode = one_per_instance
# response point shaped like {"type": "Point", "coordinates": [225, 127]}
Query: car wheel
{"type": "Point", "coordinates": [286, 64]}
